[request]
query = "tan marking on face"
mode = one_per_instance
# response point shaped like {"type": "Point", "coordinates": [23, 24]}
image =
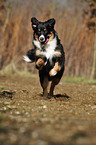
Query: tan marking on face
{"type": "Point", "coordinates": [50, 36]}
{"type": "Point", "coordinates": [38, 52]}
{"type": "Point", "coordinates": [40, 63]}
{"type": "Point", "coordinates": [36, 37]}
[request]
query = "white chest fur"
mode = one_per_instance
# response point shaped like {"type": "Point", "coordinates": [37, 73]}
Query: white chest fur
{"type": "Point", "coordinates": [49, 48]}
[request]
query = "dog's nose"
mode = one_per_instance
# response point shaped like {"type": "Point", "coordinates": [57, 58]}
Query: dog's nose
{"type": "Point", "coordinates": [42, 38]}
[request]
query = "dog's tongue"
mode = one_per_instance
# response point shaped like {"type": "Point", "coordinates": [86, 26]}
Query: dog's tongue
{"type": "Point", "coordinates": [46, 40]}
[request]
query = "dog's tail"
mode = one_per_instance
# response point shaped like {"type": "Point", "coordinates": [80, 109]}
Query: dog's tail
{"type": "Point", "coordinates": [30, 56]}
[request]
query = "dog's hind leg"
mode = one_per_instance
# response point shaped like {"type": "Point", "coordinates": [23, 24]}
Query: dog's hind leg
{"type": "Point", "coordinates": [45, 85]}
{"type": "Point", "coordinates": [55, 81]}
{"type": "Point", "coordinates": [44, 82]}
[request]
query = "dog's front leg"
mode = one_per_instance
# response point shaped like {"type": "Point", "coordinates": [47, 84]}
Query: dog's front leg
{"type": "Point", "coordinates": [45, 85]}
{"type": "Point", "coordinates": [43, 82]}
{"type": "Point", "coordinates": [55, 81]}
{"type": "Point", "coordinates": [40, 60]}
{"type": "Point", "coordinates": [39, 63]}
{"type": "Point", "coordinates": [55, 69]}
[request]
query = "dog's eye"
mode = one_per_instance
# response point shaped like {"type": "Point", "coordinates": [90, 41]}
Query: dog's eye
{"type": "Point", "coordinates": [45, 30]}
{"type": "Point", "coordinates": [39, 32]}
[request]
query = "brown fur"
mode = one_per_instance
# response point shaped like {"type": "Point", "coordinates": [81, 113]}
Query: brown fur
{"type": "Point", "coordinates": [38, 52]}
{"type": "Point", "coordinates": [55, 68]}
{"type": "Point", "coordinates": [36, 37]}
{"type": "Point", "coordinates": [40, 63]}
{"type": "Point", "coordinates": [51, 36]}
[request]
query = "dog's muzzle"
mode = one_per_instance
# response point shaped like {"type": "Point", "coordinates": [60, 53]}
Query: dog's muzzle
{"type": "Point", "coordinates": [42, 38]}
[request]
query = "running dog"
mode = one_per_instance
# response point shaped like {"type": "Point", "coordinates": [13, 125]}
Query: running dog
{"type": "Point", "coordinates": [48, 54]}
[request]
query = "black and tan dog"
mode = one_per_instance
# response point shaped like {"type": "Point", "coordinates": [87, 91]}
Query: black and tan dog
{"type": "Point", "coordinates": [48, 54]}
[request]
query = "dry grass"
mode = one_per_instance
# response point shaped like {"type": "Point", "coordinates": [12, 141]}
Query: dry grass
{"type": "Point", "coordinates": [77, 40]}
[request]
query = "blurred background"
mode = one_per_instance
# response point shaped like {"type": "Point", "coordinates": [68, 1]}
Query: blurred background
{"type": "Point", "coordinates": [75, 25]}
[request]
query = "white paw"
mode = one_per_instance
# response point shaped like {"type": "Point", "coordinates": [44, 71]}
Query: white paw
{"type": "Point", "coordinates": [52, 72]}
{"type": "Point", "coordinates": [26, 58]}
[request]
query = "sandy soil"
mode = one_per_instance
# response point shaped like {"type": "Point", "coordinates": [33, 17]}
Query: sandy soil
{"type": "Point", "coordinates": [26, 118]}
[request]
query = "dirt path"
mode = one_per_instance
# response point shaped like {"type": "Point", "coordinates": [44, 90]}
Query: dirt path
{"type": "Point", "coordinates": [26, 118]}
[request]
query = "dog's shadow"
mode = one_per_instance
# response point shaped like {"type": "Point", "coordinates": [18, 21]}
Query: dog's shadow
{"type": "Point", "coordinates": [61, 97]}
{"type": "Point", "coordinates": [57, 96]}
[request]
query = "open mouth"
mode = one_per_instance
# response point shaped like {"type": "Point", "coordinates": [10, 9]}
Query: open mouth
{"type": "Point", "coordinates": [42, 40]}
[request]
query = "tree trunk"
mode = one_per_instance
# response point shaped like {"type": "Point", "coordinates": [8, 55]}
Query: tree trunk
{"type": "Point", "coordinates": [93, 72]}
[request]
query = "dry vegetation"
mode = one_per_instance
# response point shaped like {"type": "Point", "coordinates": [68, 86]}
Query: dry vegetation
{"type": "Point", "coordinates": [72, 26]}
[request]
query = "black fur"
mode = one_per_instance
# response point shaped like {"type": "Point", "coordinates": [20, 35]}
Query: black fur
{"type": "Point", "coordinates": [43, 33]}
{"type": "Point", "coordinates": [31, 55]}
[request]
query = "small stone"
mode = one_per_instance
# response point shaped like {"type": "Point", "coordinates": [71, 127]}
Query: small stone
{"type": "Point", "coordinates": [93, 107]}
{"type": "Point", "coordinates": [9, 106]}
{"type": "Point", "coordinates": [22, 130]}
{"type": "Point", "coordinates": [27, 113]}
{"type": "Point", "coordinates": [41, 142]}
{"type": "Point", "coordinates": [44, 106]}
{"type": "Point", "coordinates": [17, 112]}
{"type": "Point", "coordinates": [13, 107]}
{"type": "Point", "coordinates": [6, 103]}
{"type": "Point", "coordinates": [34, 135]}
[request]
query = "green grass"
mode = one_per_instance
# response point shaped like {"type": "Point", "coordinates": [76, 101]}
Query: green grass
{"type": "Point", "coordinates": [0, 90]}
{"type": "Point", "coordinates": [79, 80]}
{"type": "Point", "coordinates": [9, 70]}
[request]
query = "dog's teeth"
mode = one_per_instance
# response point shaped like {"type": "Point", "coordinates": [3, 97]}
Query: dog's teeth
{"type": "Point", "coordinates": [26, 58]}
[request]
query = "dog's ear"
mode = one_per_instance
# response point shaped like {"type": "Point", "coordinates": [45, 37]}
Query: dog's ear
{"type": "Point", "coordinates": [34, 23]}
{"type": "Point", "coordinates": [51, 23]}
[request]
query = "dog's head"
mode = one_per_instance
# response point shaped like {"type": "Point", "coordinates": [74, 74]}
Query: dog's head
{"type": "Point", "coordinates": [43, 30]}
